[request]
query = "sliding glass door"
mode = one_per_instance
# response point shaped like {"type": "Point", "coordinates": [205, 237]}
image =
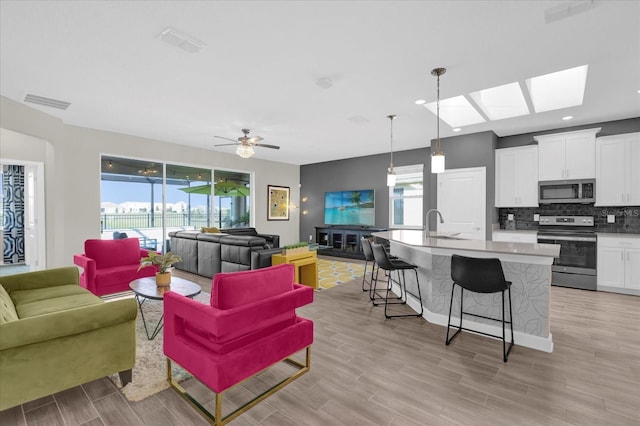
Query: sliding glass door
{"type": "Point", "coordinates": [147, 200]}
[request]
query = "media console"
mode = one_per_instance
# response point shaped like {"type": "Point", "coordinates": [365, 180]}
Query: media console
{"type": "Point", "coordinates": [344, 241]}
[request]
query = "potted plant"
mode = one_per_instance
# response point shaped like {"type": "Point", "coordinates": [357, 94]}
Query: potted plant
{"type": "Point", "coordinates": [290, 249]}
{"type": "Point", "coordinates": [162, 262]}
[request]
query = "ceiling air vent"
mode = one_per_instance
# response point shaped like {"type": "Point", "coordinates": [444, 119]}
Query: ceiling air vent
{"type": "Point", "coordinates": [180, 40]}
{"type": "Point", "coordinates": [40, 100]}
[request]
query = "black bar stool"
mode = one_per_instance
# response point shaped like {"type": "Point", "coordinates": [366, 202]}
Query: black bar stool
{"type": "Point", "coordinates": [480, 276]}
{"type": "Point", "coordinates": [368, 259]}
{"type": "Point", "coordinates": [390, 265]}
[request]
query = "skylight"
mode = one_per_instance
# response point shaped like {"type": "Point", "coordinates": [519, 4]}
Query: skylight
{"type": "Point", "coordinates": [558, 90]}
{"type": "Point", "coordinates": [502, 101]}
{"type": "Point", "coordinates": [456, 111]}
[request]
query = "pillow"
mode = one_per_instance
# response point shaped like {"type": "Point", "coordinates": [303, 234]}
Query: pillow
{"type": "Point", "coordinates": [7, 309]}
{"type": "Point", "coordinates": [212, 230]}
{"type": "Point", "coordinates": [233, 289]}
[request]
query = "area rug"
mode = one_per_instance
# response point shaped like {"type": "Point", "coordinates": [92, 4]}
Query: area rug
{"type": "Point", "coordinates": [335, 272]}
{"type": "Point", "coordinates": [150, 371]}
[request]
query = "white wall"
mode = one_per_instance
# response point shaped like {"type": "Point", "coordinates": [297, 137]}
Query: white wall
{"type": "Point", "coordinates": [72, 174]}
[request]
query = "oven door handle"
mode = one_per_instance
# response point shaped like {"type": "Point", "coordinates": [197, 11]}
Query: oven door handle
{"type": "Point", "coordinates": [564, 238]}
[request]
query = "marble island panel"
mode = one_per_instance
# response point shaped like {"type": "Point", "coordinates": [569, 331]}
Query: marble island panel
{"type": "Point", "coordinates": [526, 265]}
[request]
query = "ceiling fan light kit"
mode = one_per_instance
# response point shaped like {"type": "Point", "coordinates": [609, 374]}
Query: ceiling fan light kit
{"type": "Point", "coordinates": [246, 144]}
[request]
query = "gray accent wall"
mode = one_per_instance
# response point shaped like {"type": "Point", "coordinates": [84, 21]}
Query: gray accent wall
{"type": "Point", "coordinates": [465, 151]}
{"type": "Point", "coordinates": [370, 172]}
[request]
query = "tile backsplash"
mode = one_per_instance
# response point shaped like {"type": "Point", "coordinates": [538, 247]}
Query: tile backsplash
{"type": "Point", "coordinates": [627, 219]}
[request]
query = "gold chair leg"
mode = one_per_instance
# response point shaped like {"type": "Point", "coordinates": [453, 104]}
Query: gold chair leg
{"type": "Point", "coordinates": [217, 419]}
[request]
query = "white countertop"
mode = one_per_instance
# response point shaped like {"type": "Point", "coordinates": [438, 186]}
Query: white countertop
{"type": "Point", "coordinates": [618, 235]}
{"type": "Point", "coordinates": [517, 231]}
{"type": "Point", "coordinates": [436, 240]}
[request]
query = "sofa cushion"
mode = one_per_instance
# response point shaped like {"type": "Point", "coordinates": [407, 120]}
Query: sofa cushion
{"type": "Point", "coordinates": [108, 253]}
{"type": "Point", "coordinates": [7, 309]}
{"type": "Point", "coordinates": [230, 290]}
{"type": "Point", "coordinates": [30, 303]}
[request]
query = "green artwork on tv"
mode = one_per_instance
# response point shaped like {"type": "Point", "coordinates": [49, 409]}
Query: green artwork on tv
{"type": "Point", "coordinates": [349, 207]}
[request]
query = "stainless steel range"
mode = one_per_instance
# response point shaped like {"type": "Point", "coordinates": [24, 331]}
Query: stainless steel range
{"type": "Point", "coordinates": [576, 266]}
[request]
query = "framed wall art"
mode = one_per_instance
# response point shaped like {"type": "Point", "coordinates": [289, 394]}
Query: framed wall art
{"type": "Point", "coordinates": [278, 199]}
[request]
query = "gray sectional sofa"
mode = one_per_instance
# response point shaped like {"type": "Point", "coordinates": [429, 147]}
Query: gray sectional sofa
{"type": "Point", "coordinates": [207, 254]}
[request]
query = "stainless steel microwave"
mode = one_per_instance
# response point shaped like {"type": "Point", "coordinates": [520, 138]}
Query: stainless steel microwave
{"type": "Point", "coordinates": [567, 191]}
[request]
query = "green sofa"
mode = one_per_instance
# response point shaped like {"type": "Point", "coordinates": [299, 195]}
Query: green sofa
{"type": "Point", "coordinates": [55, 335]}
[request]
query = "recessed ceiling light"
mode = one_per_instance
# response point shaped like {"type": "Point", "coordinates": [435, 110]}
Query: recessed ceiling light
{"type": "Point", "coordinates": [639, 91]}
{"type": "Point", "coordinates": [457, 129]}
{"type": "Point", "coordinates": [421, 102]}
{"type": "Point", "coordinates": [502, 101]}
{"type": "Point", "coordinates": [558, 90]}
{"type": "Point", "coordinates": [567, 117]}
{"type": "Point", "coordinates": [456, 111]}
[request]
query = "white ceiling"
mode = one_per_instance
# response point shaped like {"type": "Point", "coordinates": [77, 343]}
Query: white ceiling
{"type": "Point", "coordinates": [262, 61]}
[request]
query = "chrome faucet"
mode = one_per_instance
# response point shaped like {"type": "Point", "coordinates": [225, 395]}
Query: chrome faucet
{"type": "Point", "coordinates": [426, 221]}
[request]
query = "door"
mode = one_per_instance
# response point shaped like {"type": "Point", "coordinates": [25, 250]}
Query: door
{"type": "Point", "coordinates": [527, 176]}
{"type": "Point", "coordinates": [551, 153]}
{"type": "Point", "coordinates": [632, 269]}
{"type": "Point", "coordinates": [506, 172]}
{"type": "Point", "coordinates": [633, 171]}
{"type": "Point", "coordinates": [611, 266]}
{"type": "Point", "coordinates": [610, 171]}
{"type": "Point", "coordinates": [580, 156]}
{"type": "Point", "coordinates": [462, 202]}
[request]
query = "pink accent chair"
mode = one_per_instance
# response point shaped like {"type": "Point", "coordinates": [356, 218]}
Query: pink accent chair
{"type": "Point", "coordinates": [249, 325]}
{"type": "Point", "coordinates": [110, 265]}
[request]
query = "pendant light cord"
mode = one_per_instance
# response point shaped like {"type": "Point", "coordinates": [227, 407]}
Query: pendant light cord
{"type": "Point", "coordinates": [391, 117]}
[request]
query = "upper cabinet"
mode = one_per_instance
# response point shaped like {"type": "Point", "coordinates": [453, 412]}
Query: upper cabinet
{"type": "Point", "coordinates": [569, 155]}
{"type": "Point", "coordinates": [517, 177]}
{"type": "Point", "coordinates": [617, 170]}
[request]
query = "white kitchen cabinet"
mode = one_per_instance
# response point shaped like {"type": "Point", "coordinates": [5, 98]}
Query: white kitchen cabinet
{"type": "Point", "coordinates": [617, 170]}
{"type": "Point", "coordinates": [569, 155]}
{"type": "Point", "coordinates": [517, 177]}
{"type": "Point", "coordinates": [515, 236]}
{"type": "Point", "coordinates": [619, 263]}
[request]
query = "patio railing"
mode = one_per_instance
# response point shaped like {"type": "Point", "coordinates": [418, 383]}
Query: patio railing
{"type": "Point", "coordinates": [116, 221]}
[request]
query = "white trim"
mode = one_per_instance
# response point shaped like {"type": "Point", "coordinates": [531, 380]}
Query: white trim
{"type": "Point", "coordinates": [40, 212]}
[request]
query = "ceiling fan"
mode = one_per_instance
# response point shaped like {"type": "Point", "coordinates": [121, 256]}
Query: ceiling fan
{"type": "Point", "coordinates": [246, 144]}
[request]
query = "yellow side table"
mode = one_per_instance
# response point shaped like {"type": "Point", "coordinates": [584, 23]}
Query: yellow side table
{"type": "Point", "coordinates": [306, 266]}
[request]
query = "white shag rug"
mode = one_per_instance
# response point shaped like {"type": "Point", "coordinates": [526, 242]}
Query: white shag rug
{"type": "Point", "coordinates": [150, 371]}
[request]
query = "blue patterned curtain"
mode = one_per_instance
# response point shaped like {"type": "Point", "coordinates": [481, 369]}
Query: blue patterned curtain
{"type": "Point", "coordinates": [13, 213]}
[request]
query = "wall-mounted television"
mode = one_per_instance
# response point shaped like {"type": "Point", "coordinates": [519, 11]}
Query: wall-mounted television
{"type": "Point", "coordinates": [350, 208]}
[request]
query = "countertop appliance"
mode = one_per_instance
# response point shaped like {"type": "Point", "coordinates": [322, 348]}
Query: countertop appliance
{"type": "Point", "coordinates": [567, 191]}
{"type": "Point", "coordinates": [576, 266]}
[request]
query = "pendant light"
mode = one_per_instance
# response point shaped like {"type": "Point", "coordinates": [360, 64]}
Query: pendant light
{"type": "Point", "coordinates": [391, 176]}
{"type": "Point", "coordinates": [437, 157]}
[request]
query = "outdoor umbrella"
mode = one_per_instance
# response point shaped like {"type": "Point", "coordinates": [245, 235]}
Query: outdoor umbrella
{"type": "Point", "coordinates": [221, 189]}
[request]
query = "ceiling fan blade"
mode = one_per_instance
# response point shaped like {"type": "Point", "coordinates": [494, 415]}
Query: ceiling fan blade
{"type": "Point", "coordinates": [222, 137]}
{"type": "Point", "coordinates": [228, 144]}
{"type": "Point", "coordinates": [264, 145]}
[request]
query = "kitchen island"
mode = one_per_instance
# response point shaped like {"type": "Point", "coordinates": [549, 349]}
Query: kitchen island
{"type": "Point", "coordinates": [526, 265]}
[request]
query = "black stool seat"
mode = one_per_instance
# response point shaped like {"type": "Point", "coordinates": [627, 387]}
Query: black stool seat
{"type": "Point", "coordinates": [383, 261]}
{"type": "Point", "coordinates": [480, 276]}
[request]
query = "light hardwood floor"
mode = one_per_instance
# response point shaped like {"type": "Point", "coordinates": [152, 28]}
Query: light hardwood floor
{"type": "Point", "coordinates": [370, 371]}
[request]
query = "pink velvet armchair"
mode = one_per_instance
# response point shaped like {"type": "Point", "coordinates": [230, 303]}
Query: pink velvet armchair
{"type": "Point", "coordinates": [249, 325]}
{"type": "Point", "coordinates": [110, 265]}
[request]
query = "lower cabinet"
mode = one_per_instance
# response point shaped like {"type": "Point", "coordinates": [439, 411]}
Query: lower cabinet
{"type": "Point", "coordinates": [619, 263]}
{"type": "Point", "coordinates": [343, 241]}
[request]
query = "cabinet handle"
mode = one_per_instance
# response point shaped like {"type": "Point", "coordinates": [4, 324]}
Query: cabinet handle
{"type": "Point", "coordinates": [622, 256]}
